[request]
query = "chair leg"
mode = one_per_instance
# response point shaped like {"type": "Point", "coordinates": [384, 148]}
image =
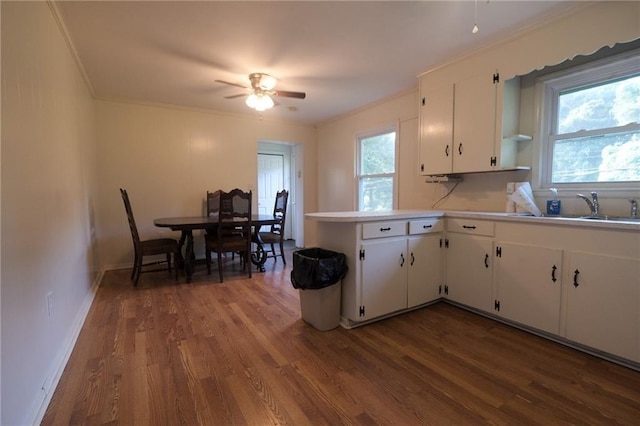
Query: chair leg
{"type": "Point", "coordinates": [169, 262]}
{"type": "Point", "coordinates": [175, 264]}
{"type": "Point", "coordinates": [273, 250]}
{"type": "Point", "coordinates": [135, 264]}
{"type": "Point", "coordinates": [138, 268]}
{"type": "Point", "coordinates": [207, 255]}
{"type": "Point", "coordinates": [247, 261]}
{"type": "Point", "coordinates": [284, 261]}
{"type": "Point", "coordinates": [220, 265]}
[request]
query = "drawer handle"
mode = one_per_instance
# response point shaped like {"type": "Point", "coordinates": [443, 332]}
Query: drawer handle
{"type": "Point", "coordinates": [575, 278]}
{"type": "Point", "coordinates": [385, 229]}
{"type": "Point", "coordinates": [553, 273]}
{"type": "Point", "coordinates": [446, 150]}
{"type": "Point", "coordinates": [413, 259]}
{"type": "Point", "coordinates": [427, 226]}
{"type": "Point", "coordinates": [460, 148]}
{"type": "Point", "coordinates": [469, 226]}
{"type": "Point", "coordinates": [486, 260]}
{"type": "Point", "coordinates": [401, 259]}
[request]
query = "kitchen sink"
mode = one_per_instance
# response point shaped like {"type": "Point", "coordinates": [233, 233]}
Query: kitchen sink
{"type": "Point", "coordinates": [612, 218]}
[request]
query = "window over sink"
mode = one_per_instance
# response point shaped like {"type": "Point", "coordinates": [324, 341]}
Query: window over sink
{"type": "Point", "coordinates": [590, 122]}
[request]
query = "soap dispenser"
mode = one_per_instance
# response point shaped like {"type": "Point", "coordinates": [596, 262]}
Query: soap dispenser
{"type": "Point", "coordinates": [553, 205]}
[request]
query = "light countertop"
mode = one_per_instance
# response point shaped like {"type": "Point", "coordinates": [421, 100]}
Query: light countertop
{"type": "Point", "coordinates": [359, 217]}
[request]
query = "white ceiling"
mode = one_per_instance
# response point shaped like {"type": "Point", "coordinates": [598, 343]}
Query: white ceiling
{"type": "Point", "coordinates": [343, 54]}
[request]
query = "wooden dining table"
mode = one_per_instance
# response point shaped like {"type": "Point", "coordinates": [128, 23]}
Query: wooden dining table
{"type": "Point", "coordinates": [187, 224]}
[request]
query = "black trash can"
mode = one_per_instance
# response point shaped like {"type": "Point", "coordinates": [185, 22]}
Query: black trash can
{"type": "Point", "coordinates": [318, 273]}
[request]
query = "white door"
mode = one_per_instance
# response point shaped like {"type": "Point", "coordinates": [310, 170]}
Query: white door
{"type": "Point", "coordinates": [270, 180]}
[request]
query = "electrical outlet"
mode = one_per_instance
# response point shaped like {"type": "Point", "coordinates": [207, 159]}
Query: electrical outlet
{"type": "Point", "coordinates": [50, 303]}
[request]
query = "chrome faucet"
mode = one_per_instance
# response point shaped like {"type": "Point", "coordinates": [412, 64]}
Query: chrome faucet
{"type": "Point", "coordinates": [634, 208]}
{"type": "Point", "coordinates": [593, 204]}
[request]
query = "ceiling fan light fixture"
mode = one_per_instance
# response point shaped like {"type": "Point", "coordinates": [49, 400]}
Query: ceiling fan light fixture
{"type": "Point", "coordinates": [267, 82]}
{"type": "Point", "coordinates": [259, 101]}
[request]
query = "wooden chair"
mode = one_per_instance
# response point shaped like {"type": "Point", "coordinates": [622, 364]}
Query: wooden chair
{"type": "Point", "coordinates": [167, 246]}
{"type": "Point", "coordinates": [276, 234]}
{"type": "Point", "coordinates": [213, 203]}
{"type": "Point", "coordinates": [233, 233]}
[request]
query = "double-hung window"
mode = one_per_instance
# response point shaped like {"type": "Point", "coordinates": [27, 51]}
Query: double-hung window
{"type": "Point", "coordinates": [591, 125]}
{"type": "Point", "coordinates": [376, 170]}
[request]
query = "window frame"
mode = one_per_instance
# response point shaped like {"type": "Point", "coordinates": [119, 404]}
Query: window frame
{"type": "Point", "coordinates": [549, 88]}
{"type": "Point", "coordinates": [393, 128]}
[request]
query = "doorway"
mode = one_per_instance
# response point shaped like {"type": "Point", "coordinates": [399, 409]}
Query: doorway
{"type": "Point", "coordinates": [279, 167]}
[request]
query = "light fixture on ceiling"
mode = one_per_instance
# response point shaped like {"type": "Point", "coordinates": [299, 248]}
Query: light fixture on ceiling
{"type": "Point", "coordinates": [262, 91]}
{"type": "Point", "coordinates": [475, 19]}
{"type": "Point", "coordinates": [262, 86]}
{"type": "Point", "coordinates": [259, 101]}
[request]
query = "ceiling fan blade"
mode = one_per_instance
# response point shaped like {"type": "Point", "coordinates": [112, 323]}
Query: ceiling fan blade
{"type": "Point", "coordinates": [235, 96]}
{"type": "Point", "coordinates": [232, 84]}
{"type": "Point", "coordinates": [286, 94]}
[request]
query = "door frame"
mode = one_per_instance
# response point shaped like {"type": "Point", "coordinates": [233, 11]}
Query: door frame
{"type": "Point", "coordinates": [293, 182]}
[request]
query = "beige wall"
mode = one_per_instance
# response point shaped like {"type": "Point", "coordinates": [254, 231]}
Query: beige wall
{"type": "Point", "coordinates": [337, 153]}
{"type": "Point", "coordinates": [583, 31]}
{"type": "Point", "coordinates": [48, 205]}
{"type": "Point", "coordinates": [167, 158]}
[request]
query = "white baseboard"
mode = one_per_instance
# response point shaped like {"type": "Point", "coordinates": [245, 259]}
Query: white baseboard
{"type": "Point", "coordinates": [50, 385]}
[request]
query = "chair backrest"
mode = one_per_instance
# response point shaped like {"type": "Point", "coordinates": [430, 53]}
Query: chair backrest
{"type": "Point", "coordinates": [280, 211]}
{"type": "Point", "coordinates": [132, 222]}
{"type": "Point", "coordinates": [234, 212]}
{"type": "Point", "coordinates": [213, 203]}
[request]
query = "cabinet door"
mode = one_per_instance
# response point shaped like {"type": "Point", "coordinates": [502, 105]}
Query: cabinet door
{"type": "Point", "coordinates": [474, 124]}
{"type": "Point", "coordinates": [436, 131]}
{"type": "Point", "coordinates": [603, 301]}
{"type": "Point", "coordinates": [529, 285]}
{"type": "Point", "coordinates": [425, 269]}
{"type": "Point", "coordinates": [469, 272]}
{"type": "Point", "coordinates": [384, 277]}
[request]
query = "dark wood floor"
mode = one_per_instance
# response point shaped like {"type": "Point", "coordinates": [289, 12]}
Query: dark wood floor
{"type": "Point", "coordinates": [238, 353]}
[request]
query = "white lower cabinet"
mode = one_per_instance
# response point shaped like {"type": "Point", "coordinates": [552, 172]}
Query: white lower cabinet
{"type": "Point", "coordinates": [529, 285]}
{"type": "Point", "coordinates": [603, 303]}
{"type": "Point", "coordinates": [383, 277]}
{"type": "Point", "coordinates": [578, 283]}
{"type": "Point", "coordinates": [396, 272]}
{"type": "Point", "coordinates": [393, 265]}
{"type": "Point", "coordinates": [469, 260]}
{"type": "Point", "coordinates": [424, 279]}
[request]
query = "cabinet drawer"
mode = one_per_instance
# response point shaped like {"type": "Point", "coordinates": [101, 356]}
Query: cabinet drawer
{"type": "Point", "coordinates": [470, 226]}
{"type": "Point", "coordinates": [384, 229]}
{"type": "Point", "coordinates": [425, 226]}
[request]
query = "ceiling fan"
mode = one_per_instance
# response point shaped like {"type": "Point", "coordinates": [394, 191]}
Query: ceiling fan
{"type": "Point", "coordinates": [261, 91]}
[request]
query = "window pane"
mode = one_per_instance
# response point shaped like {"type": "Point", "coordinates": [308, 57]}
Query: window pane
{"type": "Point", "coordinates": [378, 154]}
{"type": "Point", "coordinates": [376, 193]}
{"type": "Point", "coordinates": [610, 158]}
{"type": "Point", "coordinates": [611, 104]}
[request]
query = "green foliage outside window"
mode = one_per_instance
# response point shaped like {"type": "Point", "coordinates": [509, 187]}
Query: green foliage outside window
{"type": "Point", "coordinates": [377, 172]}
{"type": "Point", "coordinates": [591, 142]}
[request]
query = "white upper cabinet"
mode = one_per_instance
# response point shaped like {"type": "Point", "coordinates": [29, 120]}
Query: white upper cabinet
{"type": "Point", "coordinates": [460, 129]}
{"type": "Point", "coordinates": [436, 130]}
{"type": "Point", "coordinates": [474, 124]}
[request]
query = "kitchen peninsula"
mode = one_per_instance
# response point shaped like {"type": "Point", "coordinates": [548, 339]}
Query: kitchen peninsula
{"type": "Point", "coordinates": [573, 280]}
